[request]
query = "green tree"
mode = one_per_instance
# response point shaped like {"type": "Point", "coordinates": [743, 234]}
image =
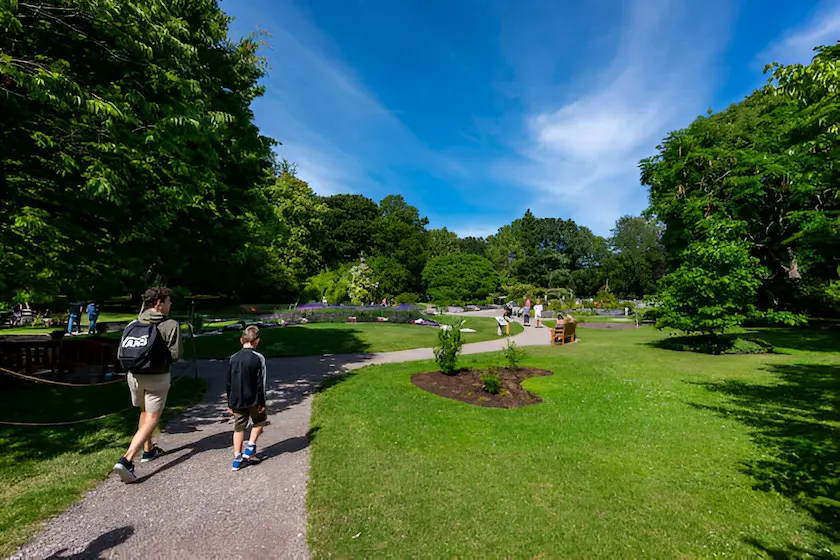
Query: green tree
{"type": "Point", "coordinates": [441, 242]}
{"type": "Point", "coordinates": [128, 146]}
{"type": "Point", "coordinates": [300, 213]}
{"type": "Point", "coordinates": [349, 226]}
{"type": "Point", "coordinates": [473, 245]}
{"type": "Point", "coordinates": [637, 258]}
{"type": "Point", "coordinates": [460, 277]}
{"type": "Point", "coordinates": [400, 233]}
{"type": "Point", "coordinates": [362, 284]}
{"type": "Point", "coordinates": [714, 288]}
{"type": "Point", "coordinates": [749, 164]}
{"type": "Point", "coordinates": [393, 278]}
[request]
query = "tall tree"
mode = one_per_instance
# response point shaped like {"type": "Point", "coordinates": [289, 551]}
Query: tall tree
{"type": "Point", "coordinates": [300, 213]}
{"type": "Point", "coordinates": [637, 260]}
{"type": "Point", "coordinates": [473, 245]}
{"type": "Point", "coordinates": [349, 225]}
{"type": "Point", "coordinates": [441, 242]}
{"type": "Point", "coordinates": [120, 122]}
{"type": "Point", "coordinates": [749, 163]}
{"type": "Point", "coordinates": [460, 277]}
{"type": "Point", "coordinates": [400, 233]}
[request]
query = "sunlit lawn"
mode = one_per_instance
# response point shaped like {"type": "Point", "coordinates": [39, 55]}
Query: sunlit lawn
{"type": "Point", "coordinates": [637, 452]}
{"type": "Point", "coordinates": [44, 470]}
{"type": "Point", "coordinates": [342, 338]}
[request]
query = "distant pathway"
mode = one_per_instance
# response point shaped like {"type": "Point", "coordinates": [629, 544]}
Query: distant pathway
{"type": "Point", "coordinates": [190, 505]}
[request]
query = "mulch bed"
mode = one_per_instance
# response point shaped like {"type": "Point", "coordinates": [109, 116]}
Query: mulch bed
{"type": "Point", "coordinates": [467, 387]}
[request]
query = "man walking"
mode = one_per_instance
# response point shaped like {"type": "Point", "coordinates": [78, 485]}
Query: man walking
{"type": "Point", "coordinates": [75, 317]}
{"type": "Point", "coordinates": [147, 348]}
{"type": "Point", "coordinates": [93, 315]}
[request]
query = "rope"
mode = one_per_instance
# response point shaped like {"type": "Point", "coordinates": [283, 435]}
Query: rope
{"type": "Point", "coordinates": [72, 422]}
{"type": "Point", "coordinates": [69, 423]}
{"type": "Point", "coordinates": [59, 383]}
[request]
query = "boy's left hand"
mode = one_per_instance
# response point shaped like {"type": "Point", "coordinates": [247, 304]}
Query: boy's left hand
{"type": "Point", "coordinates": [230, 411]}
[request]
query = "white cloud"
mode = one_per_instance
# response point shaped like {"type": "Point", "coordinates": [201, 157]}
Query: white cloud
{"type": "Point", "coordinates": [329, 123]}
{"type": "Point", "coordinates": [797, 45]}
{"type": "Point", "coordinates": [581, 158]}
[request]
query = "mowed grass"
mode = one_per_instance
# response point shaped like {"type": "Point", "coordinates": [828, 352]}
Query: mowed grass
{"type": "Point", "coordinates": [104, 317]}
{"type": "Point", "coordinates": [636, 452]}
{"type": "Point", "coordinates": [44, 470]}
{"type": "Point", "coordinates": [341, 338]}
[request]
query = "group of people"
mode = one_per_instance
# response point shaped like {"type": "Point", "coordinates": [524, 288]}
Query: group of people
{"type": "Point", "coordinates": [77, 311]}
{"type": "Point", "coordinates": [148, 347]}
{"type": "Point", "coordinates": [526, 312]}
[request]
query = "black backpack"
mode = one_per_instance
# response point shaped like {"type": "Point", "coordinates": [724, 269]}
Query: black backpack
{"type": "Point", "coordinates": [142, 349]}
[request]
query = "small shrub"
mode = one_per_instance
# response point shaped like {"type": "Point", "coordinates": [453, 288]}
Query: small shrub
{"type": "Point", "coordinates": [513, 355]}
{"type": "Point", "coordinates": [448, 348]}
{"type": "Point", "coordinates": [492, 381]}
{"type": "Point", "coordinates": [408, 297]}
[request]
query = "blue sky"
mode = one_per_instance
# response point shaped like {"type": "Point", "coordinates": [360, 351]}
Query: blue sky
{"type": "Point", "coordinates": [475, 110]}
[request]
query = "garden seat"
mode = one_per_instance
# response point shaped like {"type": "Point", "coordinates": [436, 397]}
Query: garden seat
{"type": "Point", "coordinates": [562, 332]}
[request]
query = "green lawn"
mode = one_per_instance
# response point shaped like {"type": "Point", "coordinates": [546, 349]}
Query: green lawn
{"type": "Point", "coordinates": [44, 470]}
{"type": "Point", "coordinates": [341, 338]}
{"type": "Point", "coordinates": [637, 452]}
{"type": "Point", "coordinates": [104, 317]}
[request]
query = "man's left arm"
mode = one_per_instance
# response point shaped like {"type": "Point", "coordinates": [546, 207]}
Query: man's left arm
{"type": "Point", "coordinates": [176, 349]}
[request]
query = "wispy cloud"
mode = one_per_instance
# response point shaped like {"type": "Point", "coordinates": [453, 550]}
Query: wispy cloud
{"type": "Point", "coordinates": [581, 158]}
{"type": "Point", "coordinates": [330, 124]}
{"type": "Point", "coordinates": [797, 45]}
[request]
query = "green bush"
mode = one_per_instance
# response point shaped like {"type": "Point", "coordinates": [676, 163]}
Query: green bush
{"type": "Point", "coordinates": [457, 277]}
{"type": "Point", "coordinates": [513, 355]}
{"type": "Point", "coordinates": [715, 287]}
{"type": "Point", "coordinates": [492, 381]}
{"type": "Point", "coordinates": [407, 297]}
{"type": "Point", "coordinates": [448, 348]}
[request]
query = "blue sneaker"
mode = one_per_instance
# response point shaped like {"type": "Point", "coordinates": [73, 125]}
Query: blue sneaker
{"type": "Point", "coordinates": [237, 463]}
{"type": "Point", "coordinates": [250, 453]}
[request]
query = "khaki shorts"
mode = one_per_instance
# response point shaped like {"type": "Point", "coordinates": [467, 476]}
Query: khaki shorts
{"type": "Point", "coordinates": [241, 417]}
{"type": "Point", "coordinates": [149, 391]}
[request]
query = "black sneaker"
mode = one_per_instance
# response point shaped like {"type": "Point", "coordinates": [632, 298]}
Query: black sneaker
{"type": "Point", "coordinates": [125, 469]}
{"type": "Point", "coordinates": [152, 455]}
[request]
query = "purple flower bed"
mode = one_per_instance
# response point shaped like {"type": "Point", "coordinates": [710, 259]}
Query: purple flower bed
{"type": "Point", "coordinates": [310, 306]}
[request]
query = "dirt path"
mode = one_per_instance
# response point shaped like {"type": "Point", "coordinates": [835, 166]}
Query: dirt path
{"type": "Point", "coordinates": [189, 504]}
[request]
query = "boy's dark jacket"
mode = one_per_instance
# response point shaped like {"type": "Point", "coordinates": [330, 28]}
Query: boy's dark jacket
{"type": "Point", "coordinates": [246, 379]}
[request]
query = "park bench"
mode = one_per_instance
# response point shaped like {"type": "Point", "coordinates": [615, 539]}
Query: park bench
{"type": "Point", "coordinates": [563, 331]}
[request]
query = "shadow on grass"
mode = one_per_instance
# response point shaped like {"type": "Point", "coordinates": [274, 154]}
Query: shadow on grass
{"type": "Point", "coordinates": [283, 342]}
{"type": "Point", "coordinates": [794, 422]}
{"type": "Point", "coordinates": [826, 339]}
{"type": "Point", "coordinates": [39, 403]}
{"type": "Point", "coordinates": [725, 344]}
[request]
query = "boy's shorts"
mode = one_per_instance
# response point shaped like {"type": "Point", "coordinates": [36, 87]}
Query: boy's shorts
{"type": "Point", "coordinates": [149, 392]}
{"type": "Point", "coordinates": [241, 417]}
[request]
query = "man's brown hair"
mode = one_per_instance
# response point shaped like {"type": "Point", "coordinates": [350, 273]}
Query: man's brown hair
{"type": "Point", "coordinates": [250, 334]}
{"type": "Point", "coordinates": [152, 295]}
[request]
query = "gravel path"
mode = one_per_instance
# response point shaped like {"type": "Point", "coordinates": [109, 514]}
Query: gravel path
{"type": "Point", "coordinates": [189, 504]}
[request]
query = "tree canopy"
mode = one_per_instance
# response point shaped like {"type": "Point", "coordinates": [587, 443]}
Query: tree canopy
{"type": "Point", "coordinates": [460, 277]}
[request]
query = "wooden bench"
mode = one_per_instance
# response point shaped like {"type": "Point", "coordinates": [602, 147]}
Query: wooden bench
{"type": "Point", "coordinates": [563, 331]}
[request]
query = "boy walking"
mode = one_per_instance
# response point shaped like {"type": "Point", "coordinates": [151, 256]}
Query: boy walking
{"type": "Point", "coordinates": [246, 396]}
